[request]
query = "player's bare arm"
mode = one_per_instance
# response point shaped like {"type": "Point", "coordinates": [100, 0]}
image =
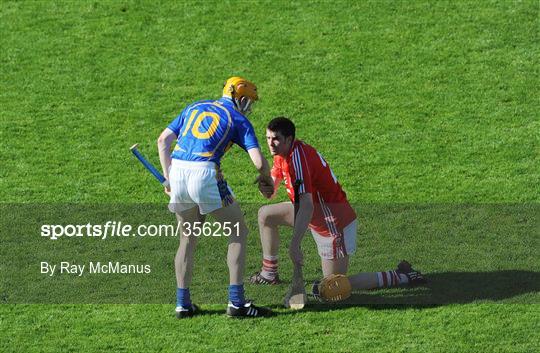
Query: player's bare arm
{"type": "Point", "coordinates": [305, 212]}
{"type": "Point", "coordinates": [266, 183]}
{"type": "Point", "coordinates": [164, 143]}
{"type": "Point", "coordinates": [259, 162]}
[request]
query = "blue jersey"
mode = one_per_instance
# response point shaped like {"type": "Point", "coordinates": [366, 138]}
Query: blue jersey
{"type": "Point", "coordinates": [207, 129]}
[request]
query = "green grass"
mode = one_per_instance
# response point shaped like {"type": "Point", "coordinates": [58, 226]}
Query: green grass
{"type": "Point", "coordinates": [426, 111]}
{"type": "Point", "coordinates": [151, 327]}
{"type": "Point", "coordinates": [465, 248]}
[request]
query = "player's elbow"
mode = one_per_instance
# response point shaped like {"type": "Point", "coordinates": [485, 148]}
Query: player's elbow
{"type": "Point", "coordinates": [165, 138]}
{"type": "Point", "coordinates": [162, 140]}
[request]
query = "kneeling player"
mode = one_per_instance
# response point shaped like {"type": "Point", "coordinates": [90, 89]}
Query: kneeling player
{"type": "Point", "coordinates": [323, 208]}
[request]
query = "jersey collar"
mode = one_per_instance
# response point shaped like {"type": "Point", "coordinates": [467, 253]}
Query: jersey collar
{"type": "Point", "coordinates": [225, 99]}
{"type": "Point", "coordinates": [229, 102]}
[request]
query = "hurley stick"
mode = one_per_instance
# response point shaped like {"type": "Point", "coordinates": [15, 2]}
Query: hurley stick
{"type": "Point", "coordinates": [296, 297]}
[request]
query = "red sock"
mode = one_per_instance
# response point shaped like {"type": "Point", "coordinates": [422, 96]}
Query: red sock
{"type": "Point", "coordinates": [269, 267]}
{"type": "Point", "coordinates": [391, 279]}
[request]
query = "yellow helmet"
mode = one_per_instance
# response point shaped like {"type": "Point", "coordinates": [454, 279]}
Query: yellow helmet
{"type": "Point", "coordinates": [242, 92]}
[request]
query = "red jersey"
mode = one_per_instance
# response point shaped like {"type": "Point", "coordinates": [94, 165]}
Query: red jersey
{"type": "Point", "coordinates": [332, 212]}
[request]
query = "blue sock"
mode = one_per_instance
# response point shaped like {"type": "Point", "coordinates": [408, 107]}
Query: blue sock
{"type": "Point", "coordinates": [183, 297]}
{"type": "Point", "coordinates": [236, 294]}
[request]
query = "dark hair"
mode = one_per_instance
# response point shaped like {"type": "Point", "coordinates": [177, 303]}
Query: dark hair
{"type": "Point", "coordinates": [282, 125]}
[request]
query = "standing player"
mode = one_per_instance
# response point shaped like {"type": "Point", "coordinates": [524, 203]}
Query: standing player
{"type": "Point", "coordinates": [204, 131]}
{"type": "Point", "coordinates": [323, 208]}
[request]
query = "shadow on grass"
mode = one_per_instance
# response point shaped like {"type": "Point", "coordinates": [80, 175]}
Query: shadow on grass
{"type": "Point", "coordinates": [447, 288]}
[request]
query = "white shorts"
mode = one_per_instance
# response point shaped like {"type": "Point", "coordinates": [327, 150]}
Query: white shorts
{"type": "Point", "coordinates": [198, 184]}
{"type": "Point", "coordinates": [331, 247]}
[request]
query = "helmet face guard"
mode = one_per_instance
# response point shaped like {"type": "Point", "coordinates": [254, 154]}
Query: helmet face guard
{"type": "Point", "coordinates": [242, 92]}
{"type": "Point", "coordinates": [244, 105]}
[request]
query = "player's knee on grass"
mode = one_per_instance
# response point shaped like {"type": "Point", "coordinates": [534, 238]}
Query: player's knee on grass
{"type": "Point", "coordinates": [236, 256]}
{"type": "Point", "coordinates": [337, 266]}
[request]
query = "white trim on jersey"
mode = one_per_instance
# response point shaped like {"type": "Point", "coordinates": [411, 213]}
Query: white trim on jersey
{"type": "Point", "coordinates": [297, 163]}
{"type": "Point", "coordinates": [330, 223]}
{"type": "Point", "coordinates": [328, 217]}
{"type": "Point", "coordinates": [305, 159]}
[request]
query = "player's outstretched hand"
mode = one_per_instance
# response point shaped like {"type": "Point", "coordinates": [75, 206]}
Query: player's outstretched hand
{"type": "Point", "coordinates": [265, 185]}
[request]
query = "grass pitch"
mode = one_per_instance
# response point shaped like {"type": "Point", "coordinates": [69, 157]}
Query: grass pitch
{"type": "Point", "coordinates": [426, 111]}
